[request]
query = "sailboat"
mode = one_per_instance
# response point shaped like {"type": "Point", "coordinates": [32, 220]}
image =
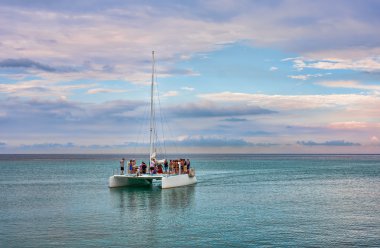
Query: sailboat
{"type": "Point", "coordinates": [172, 178]}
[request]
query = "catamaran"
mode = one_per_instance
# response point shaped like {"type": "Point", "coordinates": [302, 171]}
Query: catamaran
{"type": "Point", "coordinates": [180, 176]}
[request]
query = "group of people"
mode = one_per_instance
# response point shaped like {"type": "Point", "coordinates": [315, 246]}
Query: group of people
{"type": "Point", "coordinates": [178, 166]}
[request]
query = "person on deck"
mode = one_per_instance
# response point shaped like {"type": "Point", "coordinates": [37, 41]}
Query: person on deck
{"type": "Point", "coordinates": [166, 166]}
{"type": "Point", "coordinates": [159, 168]}
{"type": "Point", "coordinates": [180, 166]}
{"type": "Point", "coordinates": [122, 166]}
{"type": "Point", "coordinates": [143, 167]}
{"type": "Point", "coordinates": [130, 171]}
{"type": "Point", "coordinates": [171, 167]}
{"type": "Point", "coordinates": [152, 166]}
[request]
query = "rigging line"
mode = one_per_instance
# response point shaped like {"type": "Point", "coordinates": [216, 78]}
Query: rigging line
{"type": "Point", "coordinates": [163, 118]}
{"type": "Point", "coordinates": [175, 142]}
{"type": "Point", "coordinates": [156, 131]}
{"type": "Point", "coordinates": [162, 121]}
{"type": "Point", "coordinates": [142, 126]}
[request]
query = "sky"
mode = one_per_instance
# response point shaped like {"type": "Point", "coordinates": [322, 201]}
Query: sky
{"type": "Point", "coordinates": [262, 76]}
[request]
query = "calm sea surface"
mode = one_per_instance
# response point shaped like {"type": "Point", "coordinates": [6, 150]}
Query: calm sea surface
{"type": "Point", "coordinates": [239, 201]}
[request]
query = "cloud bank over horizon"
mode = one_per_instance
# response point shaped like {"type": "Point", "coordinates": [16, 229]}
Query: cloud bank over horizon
{"type": "Point", "coordinates": [240, 76]}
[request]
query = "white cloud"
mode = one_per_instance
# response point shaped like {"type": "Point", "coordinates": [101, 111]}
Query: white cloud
{"type": "Point", "coordinates": [170, 93]}
{"type": "Point", "coordinates": [349, 53]}
{"type": "Point", "coordinates": [273, 68]}
{"type": "Point", "coordinates": [79, 34]}
{"type": "Point", "coordinates": [368, 64]}
{"type": "Point", "coordinates": [349, 125]}
{"type": "Point", "coordinates": [103, 90]}
{"type": "Point", "coordinates": [187, 88]}
{"type": "Point", "coordinates": [308, 76]}
{"type": "Point", "coordinates": [291, 59]}
{"type": "Point", "coordinates": [349, 85]}
{"type": "Point", "coordinates": [40, 88]}
{"type": "Point", "coordinates": [73, 38]}
{"type": "Point", "coordinates": [297, 102]}
{"type": "Point", "coordinates": [300, 77]}
{"type": "Point", "coordinates": [375, 140]}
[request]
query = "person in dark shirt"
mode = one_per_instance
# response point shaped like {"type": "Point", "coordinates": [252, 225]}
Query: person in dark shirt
{"type": "Point", "coordinates": [143, 166]}
{"type": "Point", "coordinates": [166, 165]}
{"type": "Point", "coordinates": [122, 166]}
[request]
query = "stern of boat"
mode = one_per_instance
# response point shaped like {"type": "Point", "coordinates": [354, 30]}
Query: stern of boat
{"type": "Point", "coordinates": [177, 181]}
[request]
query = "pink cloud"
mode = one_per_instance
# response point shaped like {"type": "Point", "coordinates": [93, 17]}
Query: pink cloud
{"type": "Point", "coordinates": [348, 125]}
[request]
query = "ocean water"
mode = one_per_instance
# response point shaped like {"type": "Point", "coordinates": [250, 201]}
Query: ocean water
{"type": "Point", "coordinates": [239, 201]}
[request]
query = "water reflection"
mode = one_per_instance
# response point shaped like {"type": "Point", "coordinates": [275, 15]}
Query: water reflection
{"type": "Point", "coordinates": [145, 214]}
{"type": "Point", "coordinates": [178, 198]}
{"type": "Point", "coordinates": [135, 199]}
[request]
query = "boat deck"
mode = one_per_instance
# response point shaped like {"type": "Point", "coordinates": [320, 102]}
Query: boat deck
{"type": "Point", "coordinates": [142, 177]}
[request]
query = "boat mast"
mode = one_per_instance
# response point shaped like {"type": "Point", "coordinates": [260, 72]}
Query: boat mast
{"type": "Point", "coordinates": [151, 112]}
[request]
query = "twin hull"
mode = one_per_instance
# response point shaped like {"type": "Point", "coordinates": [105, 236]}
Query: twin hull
{"type": "Point", "coordinates": [166, 181]}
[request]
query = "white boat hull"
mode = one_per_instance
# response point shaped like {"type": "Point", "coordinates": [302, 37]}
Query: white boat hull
{"type": "Point", "coordinates": [122, 180]}
{"type": "Point", "coordinates": [177, 181]}
{"type": "Point", "coordinates": [167, 182]}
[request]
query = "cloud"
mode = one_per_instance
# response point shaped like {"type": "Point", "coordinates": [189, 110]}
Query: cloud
{"type": "Point", "coordinates": [113, 47]}
{"type": "Point", "coordinates": [170, 93]}
{"type": "Point", "coordinates": [349, 85]}
{"type": "Point", "coordinates": [47, 146]}
{"type": "Point", "coordinates": [187, 88]}
{"type": "Point", "coordinates": [307, 76]}
{"type": "Point", "coordinates": [211, 142]}
{"type": "Point", "coordinates": [177, 71]}
{"type": "Point", "coordinates": [235, 119]}
{"type": "Point", "coordinates": [70, 146]}
{"type": "Point", "coordinates": [103, 90]}
{"type": "Point", "coordinates": [273, 68]}
{"type": "Point", "coordinates": [375, 140]}
{"type": "Point", "coordinates": [30, 64]}
{"type": "Point", "coordinates": [291, 59]}
{"type": "Point", "coordinates": [348, 125]}
{"type": "Point", "coordinates": [55, 119]}
{"type": "Point", "coordinates": [258, 133]}
{"type": "Point", "coordinates": [368, 64]}
{"type": "Point", "coordinates": [25, 63]}
{"type": "Point", "coordinates": [328, 143]}
{"type": "Point", "coordinates": [201, 141]}
{"type": "Point", "coordinates": [40, 88]}
{"type": "Point", "coordinates": [62, 115]}
{"type": "Point", "coordinates": [300, 77]}
{"type": "Point", "coordinates": [313, 28]}
{"type": "Point", "coordinates": [297, 102]}
{"type": "Point", "coordinates": [354, 125]}
{"type": "Point", "coordinates": [210, 109]}
{"type": "Point", "coordinates": [66, 31]}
